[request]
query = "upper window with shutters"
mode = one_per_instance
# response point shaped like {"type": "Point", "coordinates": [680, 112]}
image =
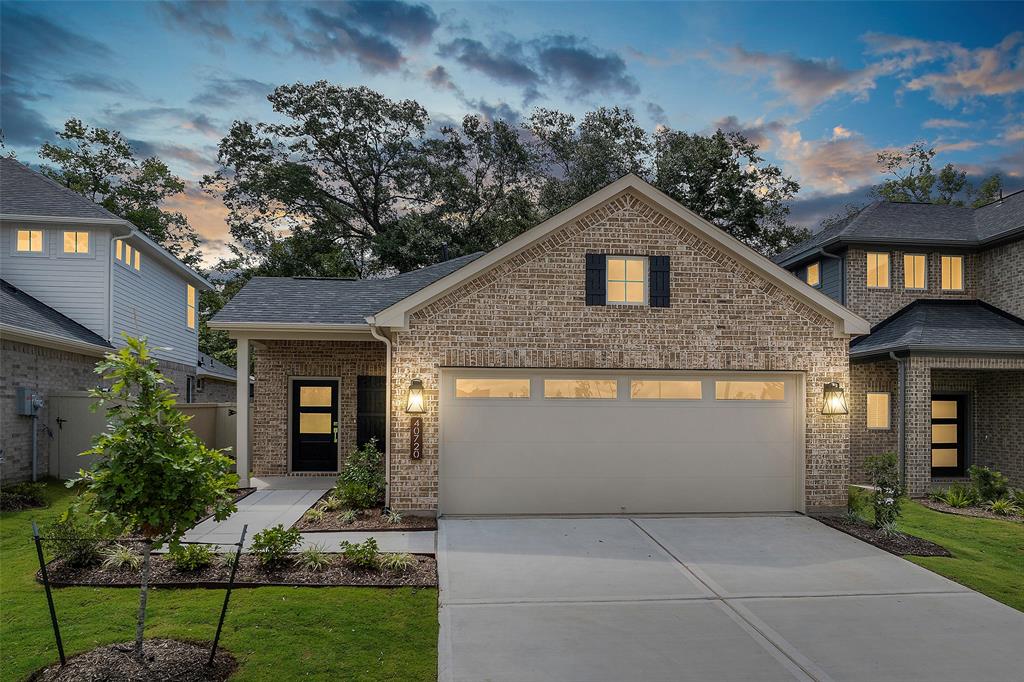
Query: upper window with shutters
{"type": "Point", "coordinates": [625, 280]}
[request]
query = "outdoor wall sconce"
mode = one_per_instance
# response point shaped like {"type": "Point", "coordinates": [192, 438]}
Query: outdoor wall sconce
{"type": "Point", "coordinates": [835, 400]}
{"type": "Point", "coordinates": [415, 403]}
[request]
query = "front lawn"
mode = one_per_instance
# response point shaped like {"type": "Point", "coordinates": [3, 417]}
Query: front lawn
{"type": "Point", "coordinates": [988, 555]}
{"type": "Point", "coordinates": [275, 633]}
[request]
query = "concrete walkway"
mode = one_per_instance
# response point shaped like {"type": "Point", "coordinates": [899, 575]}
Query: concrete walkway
{"type": "Point", "coordinates": [704, 598]}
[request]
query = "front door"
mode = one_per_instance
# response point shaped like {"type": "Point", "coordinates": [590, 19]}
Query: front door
{"type": "Point", "coordinates": [314, 425]}
{"type": "Point", "coordinates": [948, 435]}
{"type": "Point", "coordinates": [371, 410]}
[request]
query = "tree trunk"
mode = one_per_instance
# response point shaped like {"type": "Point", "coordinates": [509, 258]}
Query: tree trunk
{"type": "Point", "coordinates": [140, 623]}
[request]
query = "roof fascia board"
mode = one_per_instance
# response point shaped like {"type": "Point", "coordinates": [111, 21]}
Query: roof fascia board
{"type": "Point", "coordinates": [36, 338]}
{"type": "Point", "coordinates": [396, 316]}
{"type": "Point", "coordinates": [215, 375]}
{"type": "Point", "coordinates": [285, 326]}
{"type": "Point", "coordinates": [126, 227]}
{"type": "Point", "coordinates": [926, 348]}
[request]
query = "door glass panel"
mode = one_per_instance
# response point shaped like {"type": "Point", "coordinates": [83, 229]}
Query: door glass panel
{"type": "Point", "coordinates": [943, 409]}
{"type": "Point", "coordinates": [314, 396]}
{"type": "Point", "coordinates": [750, 390]}
{"type": "Point", "coordinates": [944, 458]}
{"type": "Point", "coordinates": [314, 422]}
{"type": "Point", "coordinates": [586, 389]}
{"type": "Point", "coordinates": [647, 389]}
{"type": "Point", "coordinates": [944, 433]}
{"type": "Point", "coordinates": [492, 388]}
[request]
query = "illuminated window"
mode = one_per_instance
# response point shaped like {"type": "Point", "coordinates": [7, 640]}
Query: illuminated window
{"type": "Point", "coordinates": [814, 274]}
{"type": "Point", "coordinates": [190, 306]}
{"type": "Point", "coordinates": [30, 241]}
{"type": "Point", "coordinates": [76, 242]}
{"type": "Point", "coordinates": [136, 255]}
{"type": "Point", "coordinates": [750, 390]}
{"type": "Point", "coordinates": [664, 389]}
{"type": "Point", "coordinates": [471, 387]}
{"type": "Point", "coordinates": [120, 250]}
{"type": "Point", "coordinates": [581, 389]}
{"type": "Point", "coordinates": [627, 280]}
{"type": "Point", "coordinates": [878, 270]}
{"type": "Point", "coordinates": [914, 269]}
{"type": "Point", "coordinates": [953, 273]}
{"type": "Point", "coordinates": [878, 410]}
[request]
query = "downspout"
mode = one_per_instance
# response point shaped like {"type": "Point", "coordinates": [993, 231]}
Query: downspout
{"type": "Point", "coordinates": [110, 290]}
{"type": "Point", "coordinates": [842, 272]}
{"type": "Point", "coordinates": [375, 332]}
{"type": "Point", "coordinates": [901, 438]}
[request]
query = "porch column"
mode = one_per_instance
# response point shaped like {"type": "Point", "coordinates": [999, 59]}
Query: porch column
{"type": "Point", "coordinates": [242, 412]}
{"type": "Point", "coordinates": [917, 426]}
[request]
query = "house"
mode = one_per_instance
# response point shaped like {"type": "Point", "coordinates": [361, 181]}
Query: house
{"type": "Point", "coordinates": [624, 355]}
{"type": "Point", "coordinates": [76, 276]}
{"type": "Point", "coordinates": [940, 378]}
{"type": "Point", "coordinates": [215, 381]}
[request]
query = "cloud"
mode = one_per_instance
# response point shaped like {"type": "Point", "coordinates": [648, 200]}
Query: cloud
{"type": "Point", "coordinates": [1014, 134]}
{"type": "Point", "coordinates": [186, 119]}
{"type": "Point", "coordinates": [945, 123]}
{"type": "Point", "coordinates": [439, 77]}
{"type": "Point", "coordinates": [809, 211]}
{"type": "Point", "coordinates": [202, 161]}
{"type": "Point", "coordinates": [33, 46]}
{"type": "Point", "coordinates": [963, 145]}
{"type": "Point", "coordinates": [841, 133]}
{"type": "Point", "coordinates": [505, 63]}
{"type": "Point", "coordinates": [221, 92]}
{"type": "Point", "coordinates": [205, 18]}
{"type": "Point", "coordinates": [21, 124]}
{"type": "Point", "coordinates": [572, 62]}
{"type": "Point", "coordinates": [206, 213]}
{"type": "Point", "coordinates": [413, 24]}
{"type": "Point", "coordinates": [655, 111]}
{"type": "Point", "coordinates": [98, 82]}
{"type": "Point", "coordinates": [759, 131]}
{"type": "Point", "coordinates": [833, 165]}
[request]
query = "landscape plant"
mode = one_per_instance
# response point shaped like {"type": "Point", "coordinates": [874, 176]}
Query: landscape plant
{"type": "Point", "coordinates": [1002, 507]}
{"type": "Point", "coordinates": [76, 539]}
{"type": "Point", "coordinates": [393, 517]}
{"type": "Point", "coordinates": [119, 556]}
{"type": "Point", "coordinates": [959, 496]}
{"type": "Point", "coordinates": [883, 470]}
{"type": "Point", "coordinates": [349, 517]}
{"type": "Point", "coordinates": [314, 559]}
{"type": "Point", "coordinates": [152, 474]}
{"type": "Point", "coordinates": [398, 562]}
{"type": "Point", "coordinates": [361, 554]}
{"type": "Point", "coordinates": [192, 557]}
{"type": "Point", "coordinates": [361, 483]}
{"type": "Point", "coordinates": [988, 483]}
{"type": "Point", "coordinates": [22, 495]}
{"type": "Point", "coordinates": [271, 546]}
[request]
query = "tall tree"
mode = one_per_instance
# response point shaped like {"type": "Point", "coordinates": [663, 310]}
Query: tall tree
{"type": "Point", "coordinates": [102, 166]}
{"type": "Point", "coordinates": [913, 179]}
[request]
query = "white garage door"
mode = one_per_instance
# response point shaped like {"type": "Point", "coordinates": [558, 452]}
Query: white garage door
{"type": "Point", "coordinates": [517, 442]}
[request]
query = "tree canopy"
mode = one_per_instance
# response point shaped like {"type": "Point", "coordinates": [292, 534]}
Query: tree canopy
{"type": "Point", "coordinates": [911, 178]}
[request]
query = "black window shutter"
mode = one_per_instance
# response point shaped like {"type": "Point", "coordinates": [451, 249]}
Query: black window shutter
{"type": "Point", "coordinates": [658, 286]}
{"type": "Point", "coordinates": [596, 282]}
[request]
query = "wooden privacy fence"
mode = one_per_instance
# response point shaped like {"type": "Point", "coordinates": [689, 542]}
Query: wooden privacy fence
{"type": "Point", "coordinates": [72, 426]}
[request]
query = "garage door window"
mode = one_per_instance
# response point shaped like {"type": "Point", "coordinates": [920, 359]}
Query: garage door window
{"type": "Point", "coordinates": [664, 389]}
{"type": "Point", "coordinates": [750, 390]}
{"type": "Point", "coordinates": [581, 389]}
{"type": "Point", "coordinates": [483, 387]}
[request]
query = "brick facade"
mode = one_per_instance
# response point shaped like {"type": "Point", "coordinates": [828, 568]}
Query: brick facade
{"type": "Point", "coordinates": [46, 370]}
{"type": "Point", "coordinates": [179, 374]}
{"type": "Point", "coordinates": [529, 312]}
{"type": "Point", "coordinates": [1001, 281]}
{"type": "Point", "coordinates": [277, 362]}
{"type": "Point", "coordinates": [865, 377]}
{"type": "Point", "coordinates": [210, 390]}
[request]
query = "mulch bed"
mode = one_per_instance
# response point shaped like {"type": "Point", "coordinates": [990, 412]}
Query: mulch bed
{"type": "Point", "coordinates": [166, 660]}
{"type": "Point", "coordinates": [239, 494]}
{"type": "Point", "coordinates": [977, 512]}
{"type": "Point", "coordinates": [368, 519]}
{"type": "Point", "coordinates": [900, 545]}
{"type": "Point", "coordinates": [250, 574]}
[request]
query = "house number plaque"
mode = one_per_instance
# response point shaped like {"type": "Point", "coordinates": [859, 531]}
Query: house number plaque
{"type": "Point", "coordinates": [416, 438]}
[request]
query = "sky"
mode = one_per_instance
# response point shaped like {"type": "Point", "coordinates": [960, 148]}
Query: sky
{"type": "Point", "coordinates": [822, 87]}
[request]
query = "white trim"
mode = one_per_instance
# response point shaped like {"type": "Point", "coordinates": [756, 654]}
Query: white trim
{"type": "Point", "coordinates": [51, 340]}
{"type": "Point", "coordinates": [288, 326]}
{"type": "Point", "coordinates": [396, 316]}
{"type": "Point", "coordinates": [645, 279]}
{"type": "Point", "coordinates": [242, 412]}
{"type": "Point", "coordinates": [291, 418]}
{"type": "Point", "coordinates": [69, 220]}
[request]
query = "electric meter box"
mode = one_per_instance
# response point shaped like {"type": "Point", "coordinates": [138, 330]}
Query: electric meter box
{"type": "Point", "coordinates": [25, 398]}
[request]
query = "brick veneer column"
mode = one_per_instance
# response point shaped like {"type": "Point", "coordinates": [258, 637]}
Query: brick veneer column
{"type": "Point", "coordinates": [918, 426]}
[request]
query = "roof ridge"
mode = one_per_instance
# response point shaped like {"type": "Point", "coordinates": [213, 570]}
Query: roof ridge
{"type": "Point", "coordinates": [23, 168]}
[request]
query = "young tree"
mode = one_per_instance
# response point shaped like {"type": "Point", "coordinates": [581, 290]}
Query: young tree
{"type": "Point", "coordinates": [101, 165]}
{"type": "Point", "coordinates": [152, 474]}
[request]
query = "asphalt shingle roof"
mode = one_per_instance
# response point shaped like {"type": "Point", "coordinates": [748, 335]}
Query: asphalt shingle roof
{"type": "Point", "coordinates": [307, 300]}
{"type": "Point", "coordinates": [885, 221]}
{"type": "Point", "coordinates": [20, 310]}
{"type": "Point", "coordinates": [26, 192]}
{"type": "Point", "coordinates": [943, 325]}
{"type": "Point", "coordinates": [213, 367]}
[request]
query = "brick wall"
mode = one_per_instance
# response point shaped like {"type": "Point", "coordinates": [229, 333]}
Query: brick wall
{"type": "Point", "coordinates": [875, 305]}
{"type": "Point", "coordinates": [178, 373]}
{"type": "Point", "coordinates": [1001, 280]}
{"type": "Point", "coordinates": [999, 425]}
{"type": "Point", "coordinates": [529, 312]}
{"type": "Point", "coordinates": [215, 391]}
{"type": "Point", "coordinates": [278, 361]}
{"type": "Point", "coordinates": [46, 370]}
{"type": "Point", "coordinates": [867, 377]}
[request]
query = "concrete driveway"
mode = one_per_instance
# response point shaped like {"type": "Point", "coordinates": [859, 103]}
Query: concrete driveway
{"type": "Point", "coordinates": [704, 598]}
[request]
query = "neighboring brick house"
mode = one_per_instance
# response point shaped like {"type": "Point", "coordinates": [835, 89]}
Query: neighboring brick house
{"type": "Point", "coordinates": [624, 355]}
{"type": "Point", "coordinates": [940, 380]}
{"type": "Point", "coordinates": [75, 276]}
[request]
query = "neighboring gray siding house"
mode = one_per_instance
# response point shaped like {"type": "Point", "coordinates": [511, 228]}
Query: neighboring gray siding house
{"type": "Point", "coordinates": [75, 276]}
{"type": "Point", "coordinates": [940, 380]}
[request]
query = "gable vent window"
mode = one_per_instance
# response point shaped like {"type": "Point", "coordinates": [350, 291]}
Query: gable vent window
{"type": "Point", "coordinates": [190, 306]}
{"type": "Point", "coordinates": [914, 269]}
{"type": "Point", "coordinates": [76, 242]}
{"type": "Point", "coordinates": [952, 273]}
{"type": "Point", "coordinates": [878, 271]}
{"type": "Point", "coordinates": [29, 241]}
{"type": "Point", "coordinates": [814, 274]}
{"type": "Point", "coordinates": [627, 280]}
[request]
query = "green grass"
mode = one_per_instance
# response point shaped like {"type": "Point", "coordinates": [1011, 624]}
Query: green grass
{"type": "Point", "coordinates": [349, 633]}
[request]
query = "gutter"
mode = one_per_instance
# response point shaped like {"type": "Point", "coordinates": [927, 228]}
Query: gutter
{"type": "Point", "coordinates": [52, 340]}
{"type": "Point", "coordinates": [287, 326]}
{"type": "Point", "coordinates": [901, 434]}
{"type": "Point", "coordinates": [375, 332]}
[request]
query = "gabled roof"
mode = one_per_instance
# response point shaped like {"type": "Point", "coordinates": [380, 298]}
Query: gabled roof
{"type": "Point", "coordinates": [324, 302]}
{"type": "Point", "coordinates": [885, 222]}
{"type": "Point", "coordinates": [944, 326]}
{"type": "Point", "coordinates": [26, 318]}
{"type": "Point", "coordinates": [396, 315]}
{"type": "Point", "coordinates": [209, 366]}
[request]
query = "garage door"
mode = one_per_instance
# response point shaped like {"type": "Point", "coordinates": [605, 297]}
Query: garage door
{"type": "Point", "coordinates": [516, 442]}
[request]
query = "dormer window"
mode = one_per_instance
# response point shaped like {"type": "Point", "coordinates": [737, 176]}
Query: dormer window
{"type": "Point", "coordinates": [76, 242]}
{"type": "Point", "coordinates": [952, 273]}
{"type": "Point", "coordinates": [878, 270]}
{"type": "Point", "coordinates": [29, 241]}
{"type": "Point", "coordinates": [814, 274]}
{"type": "Point", "coordinates": [127, 255]}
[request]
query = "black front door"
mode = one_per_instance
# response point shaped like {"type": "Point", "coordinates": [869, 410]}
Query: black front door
{"type": "Point", "coordinates": [314, 425]}
{"type": "Point", "coordinates": [371, 410]}
{"type": "Point", "coordinates": [948, 437]}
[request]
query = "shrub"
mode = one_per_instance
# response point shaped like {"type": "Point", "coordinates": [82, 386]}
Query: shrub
{"type": "Point", "coordinates": [888, 530]}
{"type": "Point", "coordinates": [272, 545]}
{"type": "Point", "coordinates": [314, 558]}
{"type": "Point", "coordinates": [1016, 495]}
{"type": "Point", "coordinates": [22, 496]}
{"type": "Point", "coordinates": [192, 557]}
{"type": "Point", "coordinates": [226, 561]}
{"type": "Point", "coordinates": [349, 517]}
{"type": "Point", "coordinates": [396, 563]}
{"type": "Point", "coordinates": [393, 517]}
{"type": "Point", "coordinates": [1002, 507]}
{"type": "Point", "coordinates": [76, 540]}
{"type": "Point", "coordinates": [886, 499]}
{"type": "Point", "coordinates": [361, 554]}
{"type": "Point", "coordinates": [315, 515]}
{"type": "Point", "coordinates": [362, 483]}
{"type": "Point", "coordinates": [988, 484]}
{"type": "Point", "coordinates": [959, 496]}
{"type": "Point", "coordinates": [857, 502]}
{"type": "Point", "coordinates": [121, 556]}
{"type": "Point", "coordinates": [333, 503]}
